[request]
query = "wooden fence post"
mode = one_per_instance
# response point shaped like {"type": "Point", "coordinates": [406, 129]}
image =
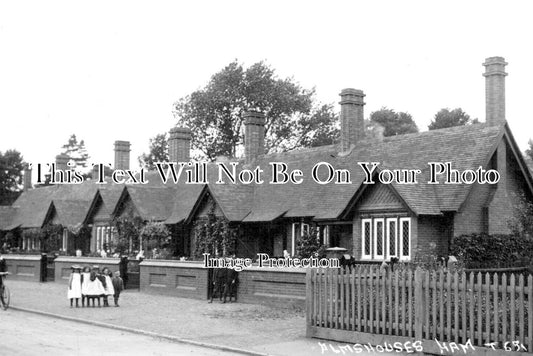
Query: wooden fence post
{"type": "Point", "coordinates": [419, 303]}
{"type": "Point", "coordinates": [308, 301]}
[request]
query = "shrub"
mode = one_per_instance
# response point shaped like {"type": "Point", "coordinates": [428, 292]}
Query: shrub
{"type": "Point", "coordinates": [155, 235]}
{"type": "Point", "coordinates": [477, 250]}
{"type": "Point", "coordinates": [309, 245]}
{"type": "Point", "coordinates": [127, 230]}
{"type": "Point", "coordinates": [214, 236]}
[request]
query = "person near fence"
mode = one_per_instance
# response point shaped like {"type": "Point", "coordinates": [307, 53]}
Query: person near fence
{"type": "Point", "coordinates": [74, 286]}
{"type": "Point", "coordinates": [85, 279]}
{"type": "Point", "coordinates": [109, 290]}
{"type": "Point", "coordinates": [118, 286]}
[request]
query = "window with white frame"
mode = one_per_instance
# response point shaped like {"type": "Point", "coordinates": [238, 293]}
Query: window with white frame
{"type": "Point", "coordinates": [65, 240]}
{"type": "Point", "coordinates": [104, 236]}
{"type": "Point", "coordinates": [392, 237]}
{"type": "Point", "coordinates": [405, 238]}
{"type": "Point", "coordinates": [298, 230]}
{"type": "Point", "coordinates": [385, 238]}
{"type": "Point", "coordinates": [366, 238]}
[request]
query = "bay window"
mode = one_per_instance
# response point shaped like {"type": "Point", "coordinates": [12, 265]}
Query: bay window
{"type": "Point", "coordinates": [385, 238]}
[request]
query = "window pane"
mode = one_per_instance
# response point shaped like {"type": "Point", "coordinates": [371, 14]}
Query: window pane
{"type": "Point", "coordinates": [405, 238]}
{"type": "Point", "coordinates": [367, 237]}
{"type": "Point", "coordinates": [379, 238]}
{"type": "Point", "coordinates": [392, 238]}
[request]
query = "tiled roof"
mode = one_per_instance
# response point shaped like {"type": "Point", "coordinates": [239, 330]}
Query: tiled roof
{"type": "Point", "coordinates": [152, 203]}
{"type": "Point", "coordinates": [467, 147]}
{"type": "Point", "coordinates": [6, 216]}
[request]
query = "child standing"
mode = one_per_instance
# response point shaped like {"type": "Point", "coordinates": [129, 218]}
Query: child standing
{"type": "Point", "coordinates": [109, 290]}
{"type": "Point", "coordinates": [85, 279]}
{"type": "Point", "coordinates": [118, 285]}
{"type": "Point", "coordinates": [95, 289]}
{"type": "Point", "coordinates": [74, 286]}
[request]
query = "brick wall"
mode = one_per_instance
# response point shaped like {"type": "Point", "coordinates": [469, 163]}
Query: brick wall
{"type": "Point", "coordinates": [24, 267]}
{"type": "Point", "coordinates": [433, 235]}
{"type": "Point", "coordinates": [272, 286]}
{"type": "Point", "coordinates": [63, 264]}
{"type": "Point", "coordinates": [489, 207]}
{"type": "Point", "coordinates": [177, 278]}
{"type": "Point", "coordinates": [190, 280]}
{"type": "Point", "coordinates": [254, 135]}
{"type": "Point", "coordinates": [179, 144]}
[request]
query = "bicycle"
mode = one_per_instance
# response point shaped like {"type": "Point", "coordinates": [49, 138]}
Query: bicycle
{"type": "Point", "coordinates": [5, 296]}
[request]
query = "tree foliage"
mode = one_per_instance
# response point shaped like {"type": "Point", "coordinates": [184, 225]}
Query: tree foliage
{"type": "Point", "coordinates": [529, 152]}
{"type": "Point", "coordinates": [158, 152]}
{"type": "Point", "coordinates": [155, 235]}
{"type": "Point", "coordinates": [514, 249]}
{"type": "Point", "coordinates": [394, 123]}
{"type": "Point", "coordinates": [50, 237]}
{"type": "Point", "coordinates": [492, 251]}
{"type": "Point", "coordinates": [450, 118]}
{"type": "Point", "coordinates": [11, 167]}
{"type": "Point", "coordinates": [76, 151]}
{"type": "Point", "coordinates": [309, 245]}
{"type": "Point", "coordinates": [127, 231]}
{"type": "Point", "coordinates": [521, 223]}
{"type": "Point", "coordinates": [214, 113]}
{"type": "Point", "coordinates": [214, 236]}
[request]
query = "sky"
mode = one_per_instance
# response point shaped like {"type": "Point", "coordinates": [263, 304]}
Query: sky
{"type": "Point", "coordinates": [111, 70]}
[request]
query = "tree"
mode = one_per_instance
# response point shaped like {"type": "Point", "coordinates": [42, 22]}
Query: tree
{"type": "Point", "coordinates": [215, 112]}
{"type": "Point", "coordinates": [394, 123]}
{"type": "Point", "coordinates": [158, 152]}
{"type": "Point", "coordinates": [529, 151]}
{"type": "Point", "coordinates": [214, 236]}
{"type": "Point", "coordinates": [309, 245]}
{"type": "Point", "coordinates": [11, 167]}
{"type": "Point", "coordinates": [128, 230]}
{"type": "Point", "coordinates": [446, 118]}
{"type": "Point", "coordinates": [154, 235]}
{"type": "Point", "coordinates": [76, 151]}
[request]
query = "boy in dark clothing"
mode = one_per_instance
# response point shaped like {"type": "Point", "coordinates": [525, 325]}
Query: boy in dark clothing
{"type": "Point", "coordinates": [118, 285]}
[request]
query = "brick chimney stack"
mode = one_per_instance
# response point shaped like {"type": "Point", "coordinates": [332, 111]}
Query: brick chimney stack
{"type": "Point", "coordinates": [495, 90]}
{"type": "Point", "coordinates": [27, 178]}
{"type": "Point", "coordinates": [61, 162]}
{"type": "Point", "coordinates": [179, 144]}
{"type": "Point", "coordinates": [352, 117]}
{"type": "Point", "coordinates": [254, 135]}
{"type": "Point", "coordinates": [122, 155]}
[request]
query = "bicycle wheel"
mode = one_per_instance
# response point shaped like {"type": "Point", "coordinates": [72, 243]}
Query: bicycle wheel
{"type": "Point", "coordinates": [4, 298]}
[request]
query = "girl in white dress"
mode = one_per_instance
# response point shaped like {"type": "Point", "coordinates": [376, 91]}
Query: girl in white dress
{"type": "Point", "coordinates": [109, 290]}
{"type": "Point", "coordinates": [95, 289]}
{"type": "Point", "coordinates": [85, 279]}
{"type": "Point", "coordinates": [74, 286]}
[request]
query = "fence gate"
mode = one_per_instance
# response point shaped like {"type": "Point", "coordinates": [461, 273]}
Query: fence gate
{"type": "Point", "coordinates": [130, 269]}
{"type": "Point", "coordinates": [369, 305]}
{"type": "Point", "coordinates": [48, 268]}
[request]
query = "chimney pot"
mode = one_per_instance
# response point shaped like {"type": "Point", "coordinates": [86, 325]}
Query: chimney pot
{"type": "Point", "coordinates": [122, 155]}
{"type": "Point", "coordinates": [27, 178]}
{"type": "Point", "coordinates": [352, 117]}
{"type": "Point", "coordinates": [495, 90]}
{"type": "Point", "coordinates": [254, 135]}
{"type": "Point", "coordinates": [179, 144]}
{"type": "Point", "coordinates": [61, 162]}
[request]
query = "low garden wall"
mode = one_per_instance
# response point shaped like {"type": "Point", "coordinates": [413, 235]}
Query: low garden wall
{"type": "Point", "coordinates": [272, 285]}
{"type": "Point", "coordinates": [63, 265]}
{"type": "Point", "coordinates": [177, 278]}
{"type": "Point", "coordinates": [256, 285]}
{"type": "Point", "coordinates": [24, 267]}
